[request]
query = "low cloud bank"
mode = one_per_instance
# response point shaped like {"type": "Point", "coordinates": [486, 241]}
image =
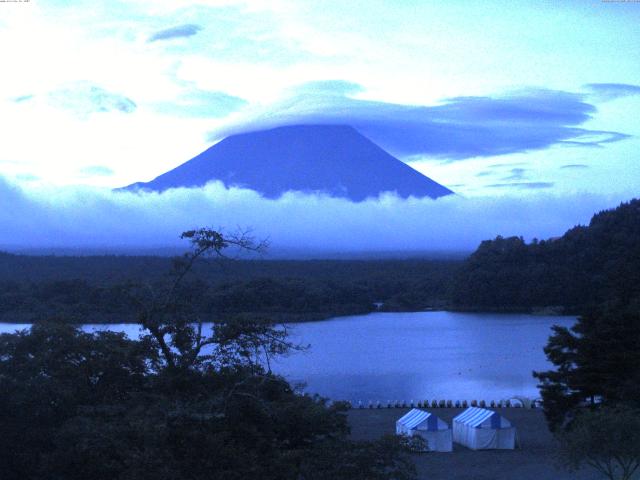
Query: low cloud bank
{"type": "Point", "coordinates": [92, 218]}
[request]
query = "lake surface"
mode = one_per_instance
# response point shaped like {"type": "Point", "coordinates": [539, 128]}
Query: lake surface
{"type": "Point", "coordinates": [413, 356]}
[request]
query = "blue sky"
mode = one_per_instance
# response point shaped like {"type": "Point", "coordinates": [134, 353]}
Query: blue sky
{"type": "Point", "coordinates": [107, 93]}
{"type": "Point", "coordinates": [491, 98]}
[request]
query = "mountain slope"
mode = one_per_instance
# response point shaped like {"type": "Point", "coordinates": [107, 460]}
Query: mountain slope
{"type": "Point", "coordinates": [333, 159]}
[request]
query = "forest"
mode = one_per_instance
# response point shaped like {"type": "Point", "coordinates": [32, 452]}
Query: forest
{"type": "Point", "coordinates": [93, 289]}
{"type": "Point", "coordinates": [587, 267]}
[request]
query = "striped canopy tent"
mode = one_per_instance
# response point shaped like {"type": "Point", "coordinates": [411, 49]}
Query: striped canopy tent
{"type": "Point", "coordinates": [480, 429]}
{"type": "Point", "coordinates": [432, 429]}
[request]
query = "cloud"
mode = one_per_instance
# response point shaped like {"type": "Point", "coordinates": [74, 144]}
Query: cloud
{"type": "Point", "coordinates": [27, 177]}
{"type": "Point", "coordinates": [85, 98]}
{"type": "Point", "coordinates": [196, 103]}
{"type": "Point", "coordinates": [459, 128]}
{"type": "Point", "coordinates": [523, 185]}
{"type": "Point", "coordinates": [187, 30]}
{"type": "Point", "coordinates": [98, 170]}
{"type": "Point", "coordinates": [82, 99]}
{"type": "Point", "coordinates": [86, 217]}
{"type": "Point", "coordinates": [576, 166]}
{"type": "Point", "coordinates": [329, 87]}
{"type": "Point", "coordinates": [611, 91]}
{"type": "Point", "coordinates": [516, 174]}
{"type": "Point", "coordinates": [507, 164]}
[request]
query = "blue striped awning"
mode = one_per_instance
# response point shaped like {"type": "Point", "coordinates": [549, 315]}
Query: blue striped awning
{"type": "Point", "coordinates": [419, 418]}
{"type": "Point", "coordinates": [474, 417]}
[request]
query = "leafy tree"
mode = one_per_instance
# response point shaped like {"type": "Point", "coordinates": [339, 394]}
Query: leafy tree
{"type": "Point", "coordinates": [607, 439]}
{"type": "Point", "coordinates": [181, 402]}
{"type": "Point", "coordinates": [597, 362]}
{"type": "Point", "coordinates": [47, 375]}
{"type": "Point", "coordinates": [173, 326]}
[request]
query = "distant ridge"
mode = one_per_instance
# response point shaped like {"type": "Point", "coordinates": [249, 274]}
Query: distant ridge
{"type": "Point", "coordinates": [332, 159]}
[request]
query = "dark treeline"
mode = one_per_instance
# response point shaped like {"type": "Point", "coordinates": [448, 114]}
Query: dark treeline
{"type": "Point", "coordinates": [84, 289]}
{"type": "Point", "coordinates": [588, 266]}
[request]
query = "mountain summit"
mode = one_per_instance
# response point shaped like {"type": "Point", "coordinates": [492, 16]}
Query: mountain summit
{"type": "Point", "coordinates": [333, 159]}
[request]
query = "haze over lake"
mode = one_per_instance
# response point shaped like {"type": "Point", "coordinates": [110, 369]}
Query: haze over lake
{"type": "Point", "coordinates": [413, 356]}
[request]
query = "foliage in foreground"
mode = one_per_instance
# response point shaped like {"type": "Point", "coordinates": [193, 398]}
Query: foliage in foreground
{"type": "Point", "coordinates": [607, 439]}
{"type": "Point", "coordinates": [178, 403]}
{"type": "Point", "coordinates": [88, 405]}
{"type": "Point", "coordinates": [592, 398]}
{"type": "Point", "coordinates": [597, 362]}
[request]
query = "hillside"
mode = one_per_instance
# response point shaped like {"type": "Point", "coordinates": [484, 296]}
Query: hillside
{"type": "Point", "coordinates": [588, 265]}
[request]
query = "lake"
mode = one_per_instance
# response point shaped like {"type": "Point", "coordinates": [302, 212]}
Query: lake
{"type": "Point", "coordinates": [413, 356]}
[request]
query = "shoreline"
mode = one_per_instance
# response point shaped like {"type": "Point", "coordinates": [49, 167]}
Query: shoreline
{"type": "Point", "coordinates": [310, 317]}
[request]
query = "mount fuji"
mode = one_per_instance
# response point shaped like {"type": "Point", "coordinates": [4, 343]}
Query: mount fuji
{"type": "Point", "coordinates": [335, 160]}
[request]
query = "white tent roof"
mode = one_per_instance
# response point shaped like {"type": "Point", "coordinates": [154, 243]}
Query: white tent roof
{"type": "Point", "coordinates": [482, 418]}
{"type": "Point", "coordinates": [417, 419]}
